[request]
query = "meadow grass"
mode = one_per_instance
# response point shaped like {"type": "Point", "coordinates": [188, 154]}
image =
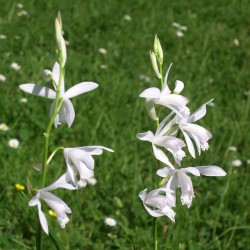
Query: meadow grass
{"type": "Point", "coordinates": [206, 59]}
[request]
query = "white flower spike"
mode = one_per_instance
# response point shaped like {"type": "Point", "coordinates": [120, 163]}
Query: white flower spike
{"type": "Point", "coordinates": [66, 113]}
{"type": "Point", "coordinates": [179, 178]}
{"type": "Point", "coordinates": [80, 161]}
{"type": "Point", "coordinates": [159, 202]}
{"type": "Point", "coordinates": [59, 206]}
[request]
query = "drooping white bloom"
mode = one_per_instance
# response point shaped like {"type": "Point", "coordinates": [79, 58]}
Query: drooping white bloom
{"type": "Point", "coordinates": [80, 161]}
{"type": "Point", "coordinates": [171, 143]}
{"type": "Point", "coordinates": [159, 202]}
{"type": "Point", "coordinates": [13, 143]}
{"type": "Point", "coordinates": [56, 204]}
{"type": "Point", "coordinates": [179, 178]}
{"type": "Point", "coordinates": [175, 102]}
{"type": "Point", "coordinates": [110, 222]}
{"type": "Point", "coordinates": [66, 114]}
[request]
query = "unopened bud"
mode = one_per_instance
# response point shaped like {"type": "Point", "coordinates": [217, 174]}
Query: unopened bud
{"type": "Point", "coordinates": [149, 105]}
{"type": "Point", "coordinates": [179, 86]}
{"type": "Point", "coordinates": [158, 49]}
{"type": "Point", "coordinates": [154, 64]}
{"type": "Point", "coordinates": [58, 27]}
{"type": "Point", "coordinates": [47, 75]}
{"type": "Point", "coordinates": [64, 51]}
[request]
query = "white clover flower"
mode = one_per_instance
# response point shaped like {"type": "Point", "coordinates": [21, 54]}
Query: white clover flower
{"type": "Point", "coordinates": [92, 181]}
{"type": "Point", "coordinates": [15, 66]}
{"type": "Point", "coordinates": [236, 42]}
{"type": "Point", "coordinates": [56, 204]}
{"type": "Point", "coordinates": [2, 78]}
{"type": "Point", "coordinates": [175, 102]}
{"type": "Point", "coordinates": [3, 37]}
{"type": "Point", "coordinates": [102, 51]}
{"type": "Point", "coordinates": [179, 178]}
{"type": "Point", "coordinates": [4, 127]}
{"type": "Point", "coordinates": [23, 100]}
{"type": "Point", "coordinates": [232, 148]}
{"type": "Point", "coordinates": [159, 202]}
{"type": "Point", "coordinates": [110, 222]}
{"type": "Point", "coordinates": [172, 144]}
{"type": "Point", "coordinates": [13, 143]}
{"type": "Point", "coordinates": [80, 161]}
{"type": "Point", "coordinates": [66, 114]}
{"type": "Point", "coordinates": [127, 17]}
{"type": "Point", "coordinates": [237, 163]}
{"type": "Point", "coordinates": [179, 33]}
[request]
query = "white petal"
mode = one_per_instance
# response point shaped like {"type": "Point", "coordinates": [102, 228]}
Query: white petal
{"type": "Point", "coordinates": [38, 90]}
{"type": "Point", "coordinates": [189, 144]}
{"type": "Point", "coordinates": [165, 89]}
{"type": "Point", "coordinates": [173, 99]}
{"type": "Point", "coordinates": [34, 201]}
{"type": "Point", "coordinates": [179, 86]}
{"type": "Point", "coordinates": [96, 150]}
{"type": "Point", "coordinates": [211, 171]}
{"type": "Point", "coordinates": [147, 136]}
{"type": "Point", "coordinates": [42, 218]}
{"type": "Point", "coordinates": [80, 88]}
{"type": "Point", "coordinates": [164, 172]}
{"type": "Point", "coordinates": [150, 93]}
{"type": "Point", "coordinates": [56, 72]}
{"type": "Point", "coordinates": [143, 194]}
{"type": "Point", "coordinates": [69, 112]}
{"type": "Point", "coordinates": [163, 122]}
{"type": "Point", "coordinates": [160, 155]}
{"type": "Point", "coordinates": [191, 170]}
{"type": "Point", "coordinates": [201, 112]}
{"type": "Point", "coordinates": [202, 133]}
{"type": "Point", "coordinates": [149, 105]}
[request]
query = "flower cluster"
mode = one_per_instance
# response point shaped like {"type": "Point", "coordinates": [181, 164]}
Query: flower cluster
{"type": "Point", "coordinates": [79, 160]}
{"type": "Point", "coordinates": [166, 139]}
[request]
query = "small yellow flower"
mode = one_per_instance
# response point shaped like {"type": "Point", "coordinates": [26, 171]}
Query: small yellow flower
{"type": "Point", "coordinates": [19, 187]}
{"type": "Point", "coordinates": [52, 213]}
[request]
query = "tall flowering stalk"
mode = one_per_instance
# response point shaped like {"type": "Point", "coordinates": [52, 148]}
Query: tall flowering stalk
{"type": "Point", "coordinates": [168, 147]}
{"type": "Point", "coordinates": [79, 160]}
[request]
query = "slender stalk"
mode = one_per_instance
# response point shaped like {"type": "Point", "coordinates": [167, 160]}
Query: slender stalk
{"type": "Point", "coordinates": [58, 103]}
{"type": "Point", "coordinates": [155, 233]}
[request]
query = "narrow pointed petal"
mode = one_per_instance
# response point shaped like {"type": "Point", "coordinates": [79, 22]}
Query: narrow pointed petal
{"type": "Point", "coordinates": [164, 172]}
{"type": "Point", "coordinates": [192, 170]}
{"type": "Point", "coordinates": [69, 112]}
{"type": "Point", "coordinates": [96, 150]}
{"type": "Point", "coordinates": [150, 93]}
{"type": "Point", "coordinates": [56, 72]}
{"type": "Point", "coordinates": [201, 112]}
{"type": "Point", "coordinates": [165, 89]}
{"type": "Point", "coordinates": [147, 136]}
{"type": "Point", "coordinates": [211, 171]}
{"type": "Point", "coordinates": [34, 201]}
{"type": "Point", "coordinates": [175, 100]}
{"type": "Point", "coordinates": [163, 122]}
{"type": "Point", "coordinates": [42, 219]}
{"type": "Point", "coordinates": [161, 156]}
{"type": "Point", "coordinates": [38, 90]}
{"type": "Point", "coordinates": [189, 143]}
{"type": "Point", "coordinates": [150, 107]}
{"type": "Point", "coordinates": [80, 88]}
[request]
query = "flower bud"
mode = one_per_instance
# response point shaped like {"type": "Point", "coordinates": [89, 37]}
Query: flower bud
{"type": "Point", "coordinates": [47, 75]}
{"type": "Point", "coordinates": [158, 49]}
{"type": "Point", "coordinates": [64, 52]}
{"type": "Point", "coordinates": [154, 64]}
{"type": "Point", "coordinates": [179, 86]}
{"type": "Point", "coordinates": [58, 27]}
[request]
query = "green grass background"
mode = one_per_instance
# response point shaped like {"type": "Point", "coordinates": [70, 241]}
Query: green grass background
{"type": "Point", "coordinates": [205, 59]}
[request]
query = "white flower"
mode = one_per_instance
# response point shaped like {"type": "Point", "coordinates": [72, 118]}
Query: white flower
{"type": "Point", "coordinates": [4, 127]}
{"type": "Point", "coordinates": [19, 5]}
{"type": "Point", "coordinates": [13, 143]}
{"type": "Point", "coordinates": [80, 161]}
{"type": "Point", "coordinates": [179, 178]}
{"type": "Point", "coordinates": [103, 66]}
{"type": "Point", "coordinates": [179, 33]}
{"type": "Point", "coordinates": [236, 163]}
{"type": "Point", "coordinates": [159, 202]}
{"type": "Point", "coordinates": [23, 100]}
{"type": "Point", "coordinates": [56, 204]}
{"type": "Point", "coordinates": [66, 114]}
{"type": "Point", "coordinates": [175, 102]}
{"type": "Point", "coordinates": [3, 37]}
{"type": "Point", "coordinates": [127, 18]}
{"type": "Point", "coordinates": [102, 51]}
{"type": "Point", "coordinates": [236, 42]}
{"type": "Point", "coordinates": [22, 13]}
{"type": "Point", "coordinates": [110, 222]}
{"type": "Point", "coordinates": [232, 148]}
{"type": "Point", "coordinates": [15, 66]}
{"type": "Point", "coordinates": [172, 144]}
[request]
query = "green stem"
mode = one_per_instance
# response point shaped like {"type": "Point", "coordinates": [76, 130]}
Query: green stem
{"type": "Point", "coordinates": [58, 103]}
{"type": "Point", "coordinates": [155, 233]}
{"type": "Point", "coordinates": [161, 75]}
{"type": "Point", "coordinates": [53, 153]}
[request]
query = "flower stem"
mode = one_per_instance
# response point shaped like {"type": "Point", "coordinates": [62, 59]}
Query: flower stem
{"type": "Point", "coordinates": [155, 233]}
